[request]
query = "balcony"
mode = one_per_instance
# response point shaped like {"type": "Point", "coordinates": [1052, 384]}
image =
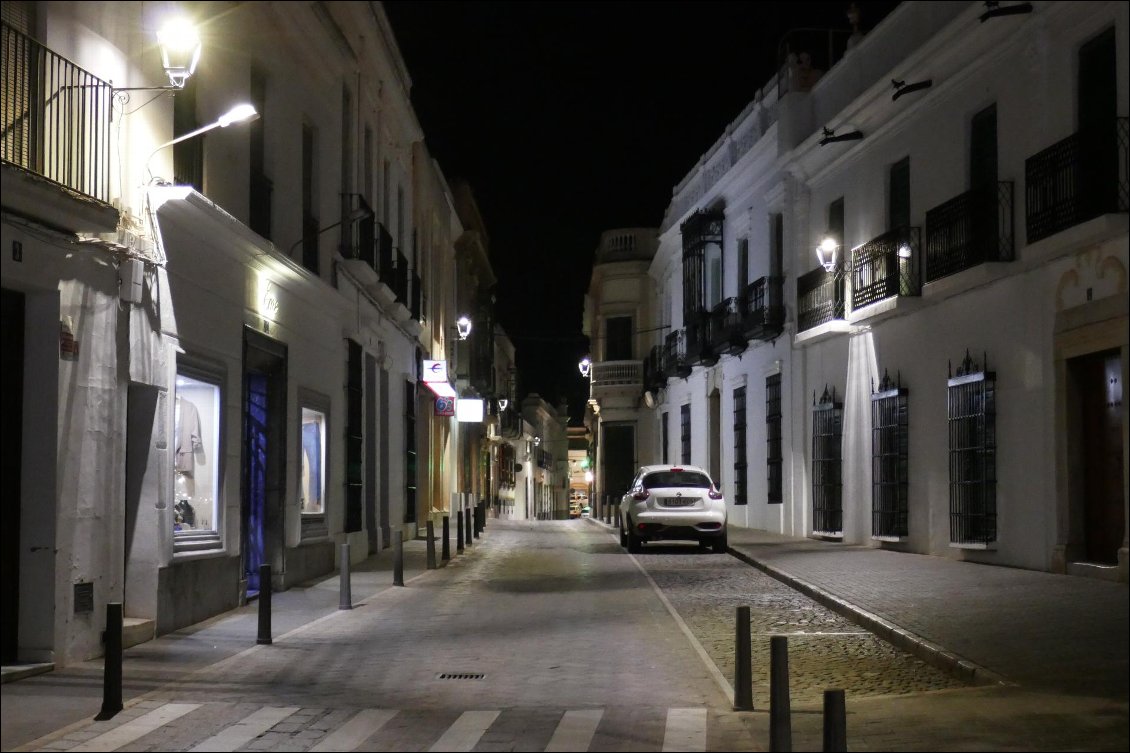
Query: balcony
{"type": "Point", "coordinates": [725, 333]}
{"type": "Point", "coordinates": [886, 267]}
{"type": "Point", "coordinates": [617, 374]}
{"type": "Point", "coordinates": [56, 138]}
{"type": "Point", "coordinates": [675, 356]}
{"type": "Point", "coordinates": [1077, 179]}
{"type": "Point", "coordinates": [970, 229]}
{"type": "Point", "coordinates": [819, 298]}
{"type": "Point", "coordinates": [655, 369]}
{"type": "Point", "coordinates": [763, 313]}
{"type": "Point", "coordinates": [698, 339]}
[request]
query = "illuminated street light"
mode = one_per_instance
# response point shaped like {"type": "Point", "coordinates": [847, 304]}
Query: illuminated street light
{"type": "Point", "coordinates": [585, 366]}
{"type": "Point", "coordinates": [238, 114]}
{"type": "Point", "coordinates": [826, 252]}
{"type": "Point", "coordinates": [463, 327]}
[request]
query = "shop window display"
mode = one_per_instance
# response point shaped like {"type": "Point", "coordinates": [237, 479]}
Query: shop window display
{"type": "Point", "coordinates": [196, 414]}
{"type": "Point", "coordinates": [313, 481]}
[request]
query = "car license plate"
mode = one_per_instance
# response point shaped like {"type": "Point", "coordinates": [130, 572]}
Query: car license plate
{"type": "Point", "coordinates": [679, 501]}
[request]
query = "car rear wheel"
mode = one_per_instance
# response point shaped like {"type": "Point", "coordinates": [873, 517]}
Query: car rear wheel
{"type": "Point", "coordinates": [623, 534]}
{"type": "Point", "coordinates": [635, 543]}
{"type": "Point", "coordinates": [721, 543]}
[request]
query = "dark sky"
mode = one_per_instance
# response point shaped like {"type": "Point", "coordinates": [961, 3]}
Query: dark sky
{"type": "Point", "coordinates": [569, 119]}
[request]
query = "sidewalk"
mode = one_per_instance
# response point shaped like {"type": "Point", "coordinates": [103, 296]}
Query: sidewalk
{"type": "Point", "coordinates": [35, 706]}
{"type": "Point", "coordinates": [1057, 633]}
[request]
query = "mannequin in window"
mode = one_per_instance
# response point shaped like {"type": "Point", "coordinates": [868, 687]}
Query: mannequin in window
{"type": "Point", "coordinates": [188, 451]}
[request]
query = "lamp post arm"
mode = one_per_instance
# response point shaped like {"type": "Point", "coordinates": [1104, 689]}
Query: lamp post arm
{"type": "Point", "coordinates": [177, 140]}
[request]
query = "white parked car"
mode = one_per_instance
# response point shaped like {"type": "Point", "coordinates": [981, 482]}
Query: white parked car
{"type": "Point", "coordinates": [673, 502]}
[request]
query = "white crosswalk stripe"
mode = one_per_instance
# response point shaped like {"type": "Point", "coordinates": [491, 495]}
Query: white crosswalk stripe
{"type": "Point", "coordinates": [245, 730]}
{"type": "Point", "coordinates": [354, 732]}
{"type": "Point", "coordinates": [575, 731]}
{"type": "Point", "coordinates": [139, 727]}
{"type": "Point", "coordinates": [686, 730]}
{"type": "Point", "coordinates": [465, 733]}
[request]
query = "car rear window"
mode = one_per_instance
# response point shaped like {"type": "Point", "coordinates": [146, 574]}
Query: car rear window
{"type": "Point", "coordinates": [675, 478]}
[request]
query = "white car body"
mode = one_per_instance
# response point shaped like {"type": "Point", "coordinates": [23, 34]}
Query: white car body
{"type": "Point", "coordinates": [672, 502]}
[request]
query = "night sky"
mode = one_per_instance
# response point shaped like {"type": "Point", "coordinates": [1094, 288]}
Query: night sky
{"type": "Point", "coordinates": [568, 119]}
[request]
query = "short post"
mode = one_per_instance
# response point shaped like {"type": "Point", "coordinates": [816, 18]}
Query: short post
{"type": "Point", "coordinates": [345, 600]}
{"type": "Point", "coordinates": [431, 545]}
{"type": "Point", "coordinates": [780, 711]}
{"type": "Point", "coordinates": [459, 532]}
{"type": "Point", "coordinates": [446, 538]}
{"type": "Point", "coordinates": [264, 604]}
{"type": "Point", "coordinates": [835, 721]}
{"type": "Point", "coordinates": [398, 559]}
{"type": "Point", "coordinates": [477, 510]}
{"type": "Point", "coordinates": [743, 662]}
{"type": "Point", "coordinates": [112, 666]}
{"type": "Point", "coordinates": [467, 526]}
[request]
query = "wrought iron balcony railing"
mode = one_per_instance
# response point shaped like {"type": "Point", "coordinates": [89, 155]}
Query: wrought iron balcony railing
{"type": "Point", "coordinates": [763, 312]}
{"type": "Point", "coordinates": [675, 346]}
{"type": "Point", "coordinates": [362, 236]}
{"type": "Point", "coordinates": [655, 369]}
{"type": "Point", "coordinates": [698, 338]}
{"type": "Point", "coordinates": [55, 117]}
{"type": "Point", "coordinates": [1077, 179]}
{"type": "Point", "coordinates": [400, 278]}
{"type": "Point", "coordinates": [726, 334]}
{"type": "Point", "coordinates": [617, 373]}
{"type": "Point", "coordinates": [886, 267]}
{"type": "Point", "coordinates": [819, 298]}
{"type": "Point", "coordinates": [968, 230]}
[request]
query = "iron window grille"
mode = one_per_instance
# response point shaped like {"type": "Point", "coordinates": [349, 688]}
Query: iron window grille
{"type": "Point", "coordinates": [354, 443]}
{"type": "Point", "coordinates": [773, 455]}
{"type": "Point", "coordinates": [701, 229]}
{"type": "Point", "coordinates": [889, 460]}
{"type": "Point", "coordinates": [763, 314]}
{"type": "Point", "coordinates": [676, 354]}
{"type": "Point", "coordinates": [685, 434]}
{"type": "Point", "coordinates": [740, 464]}
{"type": "Point", "coordinates": [970, 229]}
{"type": "Point", "coordinates": [886, 267]}
{"type": "Point", "coordinates": [411, 456]}
{"type": "Point", "coordinates": [827, 470]}
{"type": "Point", "coordinates": [972, 454]}
{"type": "Point", "coordinates": [819, 298]}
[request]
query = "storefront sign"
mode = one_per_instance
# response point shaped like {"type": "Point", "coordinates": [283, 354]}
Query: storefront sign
{"type": "Point", "coordinates": [469, 410]}
{"type": "Point", "coordinates": [445, 406]}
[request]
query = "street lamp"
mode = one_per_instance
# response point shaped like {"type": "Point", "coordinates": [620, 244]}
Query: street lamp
{"type": "Point", "coordinates": [180, 50]}
{"type": "Point", "coordinates": [237, 114]}
{"type": "Point", "coordinates": [360, 213]}
{"type": "Point", "coordinates": [503, 403]}
{"type": "Point", "coordinates": [826, 252]}
{"type": "Point", "coordinates": [585, 366]}
{"type": "Point", "coordinates": [463, 327]}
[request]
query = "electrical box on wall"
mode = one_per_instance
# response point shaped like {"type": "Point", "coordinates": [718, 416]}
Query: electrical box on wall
{"type": "Point", "coordinates": [131, 274]}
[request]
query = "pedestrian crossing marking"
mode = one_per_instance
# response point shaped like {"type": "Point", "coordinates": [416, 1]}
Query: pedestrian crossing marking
{"type": "Point", "coordinates": [245, 730]}
{"type": "Point", "coordinates": [575, 731]}
{"type": "Point", "coordinates": [686, 730]}
{"type": "Point", "coordinates": [465, 733]}
{"type": "Point", "coordinates": [354, 732]}
{"type": "Point", "coordinates": [137, 728]}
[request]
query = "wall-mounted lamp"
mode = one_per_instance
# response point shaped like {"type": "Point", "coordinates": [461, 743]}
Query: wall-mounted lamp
{"type": "Point", "coordinates": [463, 327]}
{"type": "Point", "coordinates": [826, 252]}
{"type": "Point", "coordinates": [830, 136]}
{"type": "Point", "coordinates": [537, 441]}
{"type": "Point", "coordinates": [901, 87]}
{"type": "Point", "coordinates": [904, 251]}
{"type": "Point", "coordinates": [180, 52]}
{"type": "Point", "coordinates": [503, 403]}
{"type": "Point", "coordinates": [585, 366]}
{"type": "Point", "coordinates": [238, 114]}
{"type": "Point", "coordinates": [995, 11]}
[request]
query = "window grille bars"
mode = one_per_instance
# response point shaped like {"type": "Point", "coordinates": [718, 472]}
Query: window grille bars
{"type": "Point", "coordinates": [827, 471]}
{"type": "Point", "coordinates": [971, 404]}
{"type": "Point", "coordinates": [889, 452]}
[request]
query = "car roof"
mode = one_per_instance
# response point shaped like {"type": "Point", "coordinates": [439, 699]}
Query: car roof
{"type": "Point", "coordinates": [691, 468]}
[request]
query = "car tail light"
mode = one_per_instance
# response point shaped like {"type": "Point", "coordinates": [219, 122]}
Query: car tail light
{"type": "Point", "coordinates": [714, 493]}
{"type": "Point", "coordinates": [640, 495]}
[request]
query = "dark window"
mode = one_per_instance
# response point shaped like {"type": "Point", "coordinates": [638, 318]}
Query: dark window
{"type": "Point", "coordinates": [618, 338]}
{"type": "Point", "coordinates": [354, 440]}
{"type": "Point", "coordinates": [827, 429]}
{"type": "Point", "coordinates": [1098, 125]}
{"type": "Point", "coordinates": [898, 201]}
{"type": "Point", "coordinates": [740, 463]}
{"type": "Point", "coordinates": [410, 452]}
{"type": "Point", "coordinates": [619, 457]}
{"type": "Point", "coordinates": [188, 155]}
{"type": "Point", "coordinates": [836, 222]}
{"type": "Point", "coordinates": [983, 150]}
{"type": "Point", "coordinates": [743, 265]}
{"type": "Point", "coordinates": [972, 455]}
{"type": "Point", "coordinates": [889, 450]}
{"type": "Point", "coordinates": [260, 186]}
{"type": "Point", "coordinates": [775, 495]}
{"type": "Point", "coordinates": [309, 201]}
{"type": "Point", "coordinates": [665, 431]}
{"type": "Point", "coordinates": [777, 242]}
{"type": "Point", "coordinates": [685, 436]}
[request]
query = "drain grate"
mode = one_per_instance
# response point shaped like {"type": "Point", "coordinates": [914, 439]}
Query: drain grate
{"type": "Point", "coordinates": [460, 676]}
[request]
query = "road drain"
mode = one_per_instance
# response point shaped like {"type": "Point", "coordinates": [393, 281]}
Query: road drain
{"type": "Point", "coordinates": [460, 676]}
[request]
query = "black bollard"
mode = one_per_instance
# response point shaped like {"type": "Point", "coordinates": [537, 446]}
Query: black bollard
{"type": "Point", "coordinates": [743, 662]}
{"type": "Point", "coordinates": [467, 526]}
{"type": "Point", "coordinates": [431, 546]}
{"type": "Point", "coordinates": [478, 525]}
{"type": "Point", "coordinates": [780, 711]}
{"type": "Point", "coordinates": [345, 600]}
{"type": "Point", "coordinates": [112, 666]}
{"type": "Point", "coordinates": [835, 721]}
{"type": "Point", "coordinates": [398, 559]}
{"type": "Point", "coordinates": [446, 538]}
{"type": "Point", "coordinates": [264, 604]}
{"type": "Point", "coordinates": [459, 532]}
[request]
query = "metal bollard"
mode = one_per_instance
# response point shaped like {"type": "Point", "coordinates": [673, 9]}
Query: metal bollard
{"type": "Point", "coordinates": [264, 604]}
{"type": "Point", "coordinates": [398, 559]}
{"type": "Point", "coordinates": [446, 538]}
{"type": "Point", "coordinates": [467, 526]}
{"type": "Point", "coordinates": [743, 662]}
{"type": "Point", "coordinates": [835, 721]}
{"type": "Point", "coordinates": [112, 666]}
{"type": "Point", "coordinates": [459, 532]}
{"type": "Point", "coordinates": [478, 525]}
{"type": "Point", "coordinates": [345, 600]}
{"type": "Point", "coordinates": [431, 545]}
{"type": "Point", "coordinates": [780, 711]}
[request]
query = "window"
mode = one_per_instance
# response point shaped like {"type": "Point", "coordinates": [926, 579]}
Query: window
{"type": "Point", "coordinates": [889, 450]}
{"type": "Point", "coordinates": [188, 155]}
{"type": "Point", "coordinates": [972, 455]}
{"type": "Point", "coordinates": [618, 338]}
{"type": "Point", "coordinates": [196, 458]}
{"type": "Point", "coordinates": [665, 432]}
{"type": "Point", "coordinates": [740, 463]}
{"type": "Point", "coordinates": [260, 186]}
{"type": "Point", "coordinates": [827, 428]}
{"type": "Point", "coordinates": [354, 440]}
{"type": "Point", "coordinates": [743, 266]}
{"type": "Point", "coordinates": [836, 224]}
{"type": "Point", "coordinates": [685, 414]}
{"type": "Point", "coordinates": [775, 495]}
{"type": "Point", "coordinates": [312, 486]}
{"type": "Point", "coordinates": [309, 201]}
{"type": "Point", "coordinates": [409, 452]}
